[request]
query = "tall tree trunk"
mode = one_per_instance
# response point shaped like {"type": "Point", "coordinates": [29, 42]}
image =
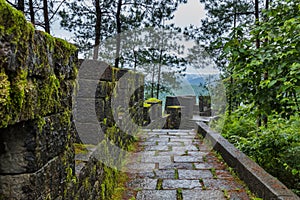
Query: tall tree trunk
{"type": "Point", "coordinates": [97, 29]}
{"type": "Point", "coordinates": [257, 21]}
{"type": "Point", "coordinates": [46, 16]}
{"type": "Point", "coordinates": [266, 74]}
{"type": "Point", "coordinates": [21, 5]}
{"type": "Point", "coordinates": [159, 72]}
{"type": "Point", "coordinates": [258, 75]}
{"type": "Point", "coordinates": [230, 103]}
{"type": "Point", "coordinates": [31, 12]}
{"type": "Point", "coordinates": [152, 81]}
{"type": "Point", "coordinates": [118, 21]}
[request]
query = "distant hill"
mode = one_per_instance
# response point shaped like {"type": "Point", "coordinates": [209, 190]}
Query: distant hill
{"type": "Point", "coordinates": [192, 84]}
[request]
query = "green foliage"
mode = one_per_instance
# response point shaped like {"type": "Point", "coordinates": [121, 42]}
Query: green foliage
{"type": "Point", "coordinates": [276, 148]}
{"type": "Point", "coordinates": [262, 73]}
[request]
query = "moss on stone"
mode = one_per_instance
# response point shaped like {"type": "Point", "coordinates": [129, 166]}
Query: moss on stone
{"type": "Point", "coordinates": [4, 98]}
{"type": "Point", "coordinates": [29, 87]}
{"type": "Point", "coordinates": [147, 105]}
{"type": "Point", "coordinates": [80, 148]}
{"type": "Point", "coordinates": [153, 100]}
{"type": "Point", "coordinates": [174, 107]}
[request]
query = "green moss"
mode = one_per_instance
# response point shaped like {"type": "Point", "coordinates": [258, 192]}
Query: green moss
{"type": "Point", "coordinates": [146, 105]}
{"type": "Point", "coordinates": [18, 89]}
{"type": "Point", "coordinates": [49, 95]}
{"type": "Point", "coordinates": [69, 48]}
{"type": "Point", "coordinates": [109, 182]}
{"type": "Point", "coordinates": [4, 98]}
{"type": "Point", "coordinates": [105, 121]}
{"type": "Point", "coordinates": [174, 107]}
{"type": "Point", "coordinates": [153, 100]}
{"type": "Point", "coordinates": [23, 97]}
{"type": "Point", "coordinates": [41, 123]}
{"type": "Point", "coordinates": [80, 148]}
{"type": "Point", "coordinates": [13, 23]}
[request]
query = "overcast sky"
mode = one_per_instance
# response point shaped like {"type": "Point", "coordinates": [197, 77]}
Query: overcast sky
{"type": "Point", "coordinates": [187, 14]}
{"type": "Point", "coordinates": [190, 13]}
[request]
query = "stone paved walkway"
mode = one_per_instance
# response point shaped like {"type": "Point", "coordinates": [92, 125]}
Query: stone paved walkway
{"type": "Point", "coordinates": [176, 165]}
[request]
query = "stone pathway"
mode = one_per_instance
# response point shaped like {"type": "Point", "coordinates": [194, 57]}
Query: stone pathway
{"type": "Point", "coordinates": [176, 165]}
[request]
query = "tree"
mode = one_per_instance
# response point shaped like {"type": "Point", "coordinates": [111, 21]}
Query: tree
{"type": "Point", "coordinates": [117, 17]}
{"type": "Point", "coordinates": [46, 16]}
{"type": "Point", "coordinates": [266, 73]}
{"type": "Point", "coordinates": [45, 11]}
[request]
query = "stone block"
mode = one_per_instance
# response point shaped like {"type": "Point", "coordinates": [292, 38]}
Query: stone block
{"type": "Point", "coordinates": [47, 182]}
{"type": "Point", "coordinates": [27, 146]}
{"type": "Point", "coordinates": [156, 194]}
{"type": "Point", "coordinates": [184, 184]}
{"type": "Point", "coordinates": [200, 194]}
{"type": "Point", "coordinates": [92, 70]}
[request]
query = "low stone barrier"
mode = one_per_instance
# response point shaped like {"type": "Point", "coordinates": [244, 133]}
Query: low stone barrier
{"type": "Point", "coordinates": [257, 179]}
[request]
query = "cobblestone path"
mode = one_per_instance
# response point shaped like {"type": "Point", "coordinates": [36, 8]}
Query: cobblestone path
{"type": "Point", "coordinates": [176, 165]}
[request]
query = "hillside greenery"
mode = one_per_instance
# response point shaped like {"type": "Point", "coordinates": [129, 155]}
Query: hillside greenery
{"type": "Point", "coordinates": [262, 77]}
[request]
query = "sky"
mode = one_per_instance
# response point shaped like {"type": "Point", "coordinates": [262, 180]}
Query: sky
{"type": "Point", "coordinates": [187, 14]}
{"type": "Point", "coordinates": [190, 13]}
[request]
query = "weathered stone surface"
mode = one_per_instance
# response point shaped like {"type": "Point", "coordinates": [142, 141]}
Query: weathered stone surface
{"type": "Point", "coordinates": [157, 159]}
{"type": "Point", "coordinates": [221, 184]}
{"type": "Point", "coordinates": [185, 148]}
{"type": "Point", "coordinates": [190, 159]}
{"type": "Point", "coordinates": [36, 65]}
{"type": "Point", "coordinates": [28, 146]}
{"type": "Point", "coordinates": [146, 184]}
{"type": "Point", "coordinates": [205, 194]}
{"type": "Point", "coordinates": [179, 166]}
{"type": "Point", "coordinates": [47, 181]}
{"type": "Point", "coordinates": [156, 194]}
{"type": "Point", "coordinates": [165, 174]}
{"type": "Point", "coordinates": [141, 167]}
{"type": "Point", "coordinates": [170, 153]}
{"type": "Point", "coordinates": [157, 148]}
{"type": "Point", "coordinates": [194, 174]}
{"type": "Point", "coordinates": [184, 184]}
{"type": "Point", "coordinates": [203, 166]}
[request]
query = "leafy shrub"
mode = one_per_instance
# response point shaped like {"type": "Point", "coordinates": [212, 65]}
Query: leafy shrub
{"type": "Point", "coordinates": [276, 148]}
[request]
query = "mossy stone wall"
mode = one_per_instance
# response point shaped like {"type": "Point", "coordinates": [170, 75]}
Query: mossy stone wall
{"type": "Point", "coordinates": [37, 79]}
{"type": "Point", "coordinates": [37, 132]}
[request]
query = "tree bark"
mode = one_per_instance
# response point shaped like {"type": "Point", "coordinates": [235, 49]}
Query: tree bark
{"type": "Point", "coordinates": [31, 12]}
{"type": "Point", "coordinates": [266, 75]}
{"type": "Point", "coordinates": [46, 16]}
{"type": "Point", "coordinates": [118, 21]}
{"type": "Point", "coordinates": [258, 121]}
{"type": "Point", "coordinates": [159, 72]}
{"type": "Point", "coordinates": [21, 5]}
{"type": "Point", "coordinates": [97, 29]}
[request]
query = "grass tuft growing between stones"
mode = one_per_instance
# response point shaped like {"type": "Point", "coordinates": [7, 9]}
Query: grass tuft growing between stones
{"type": "Point", "coordinates": [179, 194]}
{"type": "Point", "coordinates": [159, 184]}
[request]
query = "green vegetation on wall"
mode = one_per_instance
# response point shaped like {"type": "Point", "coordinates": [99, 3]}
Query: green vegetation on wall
{"type": "Point", "coordinates": [29, 84]}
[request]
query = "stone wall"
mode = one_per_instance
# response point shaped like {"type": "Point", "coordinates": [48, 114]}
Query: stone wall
{"type": "Point", "coordinates": [37, 129]}
{"type": "Point", "coordinates": [37, 75]}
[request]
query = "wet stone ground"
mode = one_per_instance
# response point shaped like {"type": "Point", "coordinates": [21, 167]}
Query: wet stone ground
{"type": "Point", "coordinates": [176, 165]}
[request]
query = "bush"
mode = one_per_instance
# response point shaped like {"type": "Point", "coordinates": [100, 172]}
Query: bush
{"type": "Point", "coordinates": [275, 148]}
